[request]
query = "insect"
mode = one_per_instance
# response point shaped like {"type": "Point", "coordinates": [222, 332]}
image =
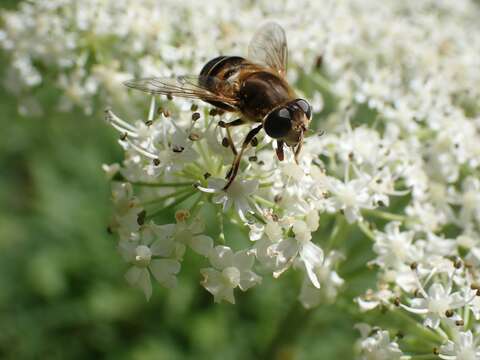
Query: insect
{"type": "Point", "coordinates": [254, 87]}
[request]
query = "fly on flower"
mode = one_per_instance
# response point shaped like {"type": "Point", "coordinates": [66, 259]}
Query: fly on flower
{"type": "Point", "coordinates": [256, 88]}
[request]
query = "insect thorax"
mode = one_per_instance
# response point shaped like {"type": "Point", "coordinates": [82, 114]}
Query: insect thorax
{"type": "Point", "coordinates": [260, 92]}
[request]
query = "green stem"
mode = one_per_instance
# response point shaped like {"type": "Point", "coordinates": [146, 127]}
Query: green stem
{"type": "Point", "coordinates": [263, 201]}
{"type": "Point", "coordinates": [197, 204]}
{"type": "Point", "coordinates": [208, 159]}
{"type": "Point", "coordinates": [412, 344]}
{"type": "Point", "coordinates": [190, 173]}
{"type": "Point", "coordinates": [219, 166]}
{"type": "Point", "coordinates": [445, 329]}
{"type": "Point", "coordinates": [172, 205]}
{"type": "Point", "coordinates": [166, 184]}
{"type": "Point", "coordinates": [424, 357]}
{"type": "Point", "coordinates": [419, 328]}
{"type": "Point", "coordinates": [333, 160]}
{"type": "Point", "coordinates": [338, 229]}
{"type": "Point", "coordinates": [120, 178]}
{"type": "Point", "coordinates": [441, 332]}
{"type": "Point", "coordinates": [364, 228]}
{"type": "Point", "coordinates": [221, 236]}
{"type": "Point", "coordinates": [259, 218]}
{"type": "Point", "coordinates": [385, 215]}
{"type": "Point", "coordinates": [466, 318]}
{"type": "Point", "coordinates": [167, 196]}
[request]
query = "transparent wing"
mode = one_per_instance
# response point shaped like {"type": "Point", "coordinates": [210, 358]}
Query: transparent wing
{"type": "Point", "coordinates": [269, 47]}
{"type": "Point", "coordinates": [190, 87]}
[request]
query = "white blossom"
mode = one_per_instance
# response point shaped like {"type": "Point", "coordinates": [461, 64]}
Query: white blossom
{"type": "Point", "coordinates": [463, 347]}
{"type": "Point", "coordinates": [350, 197]}
{"type": "Point", "coordinates": [149, 252]}
{"type": "Point", "coordinates": [376, 344]}
{"type": "Point", "coordinates": [237, 195]}
{"type": "Point", "coordinates": [329, 280]}
{"type": "Point", "coordinates": [395, 248]}
{"type": "Point", "coordinates": [230, 270]}
{"type": "Point", "coordinates": [436, 304]}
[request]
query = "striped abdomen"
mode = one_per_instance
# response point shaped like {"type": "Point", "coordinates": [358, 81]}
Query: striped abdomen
{"type": "Point", "coordinates": [222, 68]}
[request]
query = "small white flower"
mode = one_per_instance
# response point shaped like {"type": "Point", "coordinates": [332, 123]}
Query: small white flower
{"type": "Point", "coordinates": [149, 252]}
{"type": "Point", "coordinates": [302, 232]}
{"type": "Point", "coordinates": [190, 233]}
{"type": "Point", "coordinates": [395, 248]}
{"type": "Point", "coordinates": [293, 171]}
{"type": "Point", "coordinates": [381, 186]}
{"type": "Point", "coordinates": [425, 217]}
{"type": "Point", "coordinates": [312, 219]}
{"type": "Point", "coordinates": [126, 210]}
{"type": "Point", "coordinates": [229, 272]}
{"type": "Point", "coordinates": [376, 344]}
{"type": "Point", "coordinates": [311, 296]}
{"type": "Point", "coordinates": [178, 152]}
{"type": "Point", "coordinates": [273, 230]}
{"type": "Point", "coordinates": [437, 245]}
{"type": "Point", "coordinates": [463, 347]}
{"type": "Point", "coordinates": [372, 300]}
{"type": "Point", "coordinates": [436, 304]}
{"type": "Point", "coordinates": [237, 194]}
{"type": "Point", "coordinates": [349, 197]}
{"type": "Point", "coordinates": [299, 249]}
{"type": "Point", "coordinates": [363, 143]}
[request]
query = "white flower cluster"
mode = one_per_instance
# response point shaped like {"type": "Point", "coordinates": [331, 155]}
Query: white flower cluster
{"type": "Point", "coordinates": [376, 344]}
{"type": "Point", "coordinates": [181, 161]}
{"type": "Point", "coordinates": [90, 47]}
{"type": "Point", "coordinates": [399, 84]}
{"type": "Point", "coordinates": [433, 281]}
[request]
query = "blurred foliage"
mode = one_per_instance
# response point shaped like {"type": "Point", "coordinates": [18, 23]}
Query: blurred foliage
{"type": "Point", "coordinates": [62, 289]}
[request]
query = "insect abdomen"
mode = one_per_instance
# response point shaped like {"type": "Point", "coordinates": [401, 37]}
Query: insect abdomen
{"type": "Point", "coordinates": [221, 68]}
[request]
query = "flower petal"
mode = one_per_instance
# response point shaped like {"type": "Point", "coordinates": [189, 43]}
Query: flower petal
{"type": "Point", "coordinates": [312, 257]}
{"type": "Point", "coordinates": [164, 271]}
{"type": "Point", "coordinates": [243, 260]}
{"type": "Point", "coordinates": [214, 283]}
{"type": "Point", "coordinates": [221, 257]}
{"type": "Point", "coordinates": [140, 278]}
{"type": "Point", "coordinates": [201, 244]}
{"type": "Point", "coordinates": [249, 279]}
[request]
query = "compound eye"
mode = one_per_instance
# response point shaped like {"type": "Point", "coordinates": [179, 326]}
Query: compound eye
{"type": "Point", "coordinates": [305, 106]}
{"type": "Point", "coordinates": [278, 123]}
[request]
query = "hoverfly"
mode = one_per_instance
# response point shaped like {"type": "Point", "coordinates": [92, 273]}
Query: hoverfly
{"type": "Point", "coordinates": [256, 88]}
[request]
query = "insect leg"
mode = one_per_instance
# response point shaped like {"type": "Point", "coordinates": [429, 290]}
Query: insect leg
{"type": "Point", "coordinates": [297, 150]}
{"type": "Point", "coordinates": [227, 127]}
{"type": "Point", "coordinates": [236, 161]}
{"type": "Point", "coordinates": [279, 150]}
